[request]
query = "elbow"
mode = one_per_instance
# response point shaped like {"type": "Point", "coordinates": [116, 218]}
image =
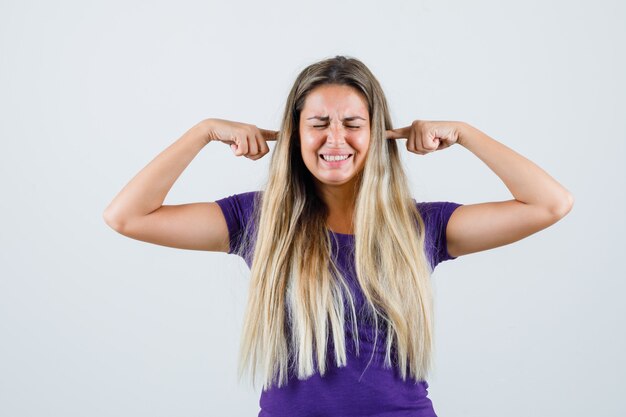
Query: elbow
{"type": "Point", "coordinates": [564, 206]}
{"type": "Point", "coordinates": [111, 221]}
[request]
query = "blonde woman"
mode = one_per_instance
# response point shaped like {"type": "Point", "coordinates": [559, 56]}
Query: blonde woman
{"type": "Point", "coordinates": [339, 320]}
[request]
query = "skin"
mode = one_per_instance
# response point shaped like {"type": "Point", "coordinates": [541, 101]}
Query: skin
{"type": "Point", "coordinates": [538, 199]}
{"type": "Point", "coordinates": [335, 185]}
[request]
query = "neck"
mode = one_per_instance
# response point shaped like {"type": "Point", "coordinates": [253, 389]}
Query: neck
{"type": "Point", "coordinates": [340, 200]}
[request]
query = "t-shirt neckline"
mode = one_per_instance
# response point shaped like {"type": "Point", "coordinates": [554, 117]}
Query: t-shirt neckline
{"type": "Point", "coordinates": [344, 235]}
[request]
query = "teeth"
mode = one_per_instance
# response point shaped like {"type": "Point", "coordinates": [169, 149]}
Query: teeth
{"type": "Point", "coordinates": [335, 157]}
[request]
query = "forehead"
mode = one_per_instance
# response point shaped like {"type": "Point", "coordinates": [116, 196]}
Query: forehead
{"type": "Point", "coordinates": [335, 99]}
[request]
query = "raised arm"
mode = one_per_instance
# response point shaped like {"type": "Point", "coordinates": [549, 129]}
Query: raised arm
{"type": "Point", "coordinates": [539, 200]}
{"type": "Point", "coordinates": [138, 211]}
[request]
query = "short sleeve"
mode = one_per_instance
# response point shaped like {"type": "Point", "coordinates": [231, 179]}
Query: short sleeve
{"type": "Point", "coordinates": [237, 210]}
{"type": "Point", "coordinates": [436, 215]}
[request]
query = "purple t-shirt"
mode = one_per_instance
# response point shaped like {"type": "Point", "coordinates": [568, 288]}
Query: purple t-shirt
{"type": "Point", "coordinates": [363, 386]}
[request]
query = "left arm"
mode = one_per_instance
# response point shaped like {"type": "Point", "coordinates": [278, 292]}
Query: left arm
{"type": "Point", "coordinates": [539, 200]}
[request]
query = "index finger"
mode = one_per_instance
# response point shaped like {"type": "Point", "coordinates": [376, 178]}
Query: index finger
{"type": "Point", "coordinates": [400, 133]}
{"type": "Point", "coordinates": [269, 134]}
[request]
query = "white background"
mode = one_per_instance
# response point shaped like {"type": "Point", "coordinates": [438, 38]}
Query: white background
{"type": "Point", "coordinates": [96, 324]}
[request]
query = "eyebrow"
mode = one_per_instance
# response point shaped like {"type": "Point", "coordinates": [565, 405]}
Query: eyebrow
{"type": "Point", "coordinates": [326, 118]}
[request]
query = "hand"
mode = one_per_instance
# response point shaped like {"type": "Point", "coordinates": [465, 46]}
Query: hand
{"type": "Point", "coordinates": [244, 139]}
{"type": "Point", "coordinates": [426, 136]}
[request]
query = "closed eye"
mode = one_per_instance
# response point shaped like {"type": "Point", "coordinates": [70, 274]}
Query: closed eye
{"type": "Point", "coordinates": [350, 127]}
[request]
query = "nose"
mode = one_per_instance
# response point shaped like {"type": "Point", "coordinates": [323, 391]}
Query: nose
{"type": "Point", "coordinates": [336, 134]}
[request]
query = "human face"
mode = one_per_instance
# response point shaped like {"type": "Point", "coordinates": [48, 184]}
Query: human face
{"type": "Point", "coordinates": [334, 121]}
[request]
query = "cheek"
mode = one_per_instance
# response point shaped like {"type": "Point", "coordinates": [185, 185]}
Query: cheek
{"type": "Point", "coordinates": [310, 143]}
{"type": "Point", "coordinates": [362, 143]}
{"type": "Point", "coordinates": [308, 150]}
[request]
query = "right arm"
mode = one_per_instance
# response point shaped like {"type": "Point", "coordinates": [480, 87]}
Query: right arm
{"type": "Point", "coordinates": [138, 211]}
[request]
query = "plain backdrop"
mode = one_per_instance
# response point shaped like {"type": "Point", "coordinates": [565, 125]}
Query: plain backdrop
{"type": "Point", "coordinates": [93, 323]}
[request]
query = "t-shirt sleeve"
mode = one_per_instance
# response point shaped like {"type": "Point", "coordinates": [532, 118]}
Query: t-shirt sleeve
{"type": "Point", "coordinates": [237, 210]}
{"type": "Point", "coordinates": [436, 215]}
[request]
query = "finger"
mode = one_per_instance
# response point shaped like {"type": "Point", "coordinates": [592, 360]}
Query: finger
{"type": "Point", "coordinates": [242, 147]}
{"type": "Point", "coordinates": [435, 143]}
{"type": "Point", "coordinates": [233, 143]}
{"type": "Point", "coordinates": [400, 133]}
{"type": "Point", "coordinates": [253, 148]}
{"type": "Point", "coordinates": [269, 134]}
{"type": "Point", "coordinates": [430, 141]}
{"type": "Point", "coordinates": [262, 145]}
{"type": "Point", "coordinates": [413, 141]}
{"type": "Point", "coordinates": [410, 143]}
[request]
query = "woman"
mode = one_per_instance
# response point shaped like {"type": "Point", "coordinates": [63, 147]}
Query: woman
{"type": "Point", "coordinates": [340, 311]}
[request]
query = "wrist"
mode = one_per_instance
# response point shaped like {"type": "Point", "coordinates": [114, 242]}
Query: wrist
{"type": "Point", "coordinates": [204, 130]}
{"type": "Point", "coordinates": [462, 130]}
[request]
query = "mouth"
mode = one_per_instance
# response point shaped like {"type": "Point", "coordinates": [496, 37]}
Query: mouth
{"type": "Point", "coordinates": [333, 159]}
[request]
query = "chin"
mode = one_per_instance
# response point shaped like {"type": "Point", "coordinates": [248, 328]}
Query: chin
{"type": "Point", "coordinates": [338, 181]}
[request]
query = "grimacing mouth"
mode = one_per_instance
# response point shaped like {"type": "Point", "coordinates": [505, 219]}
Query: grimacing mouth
{"type": "Point", "coordinates": [349, 155]}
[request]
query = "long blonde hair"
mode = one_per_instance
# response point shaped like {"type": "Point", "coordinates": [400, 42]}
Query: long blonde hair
{"type": "Point", "coordinates": [296, 293]}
